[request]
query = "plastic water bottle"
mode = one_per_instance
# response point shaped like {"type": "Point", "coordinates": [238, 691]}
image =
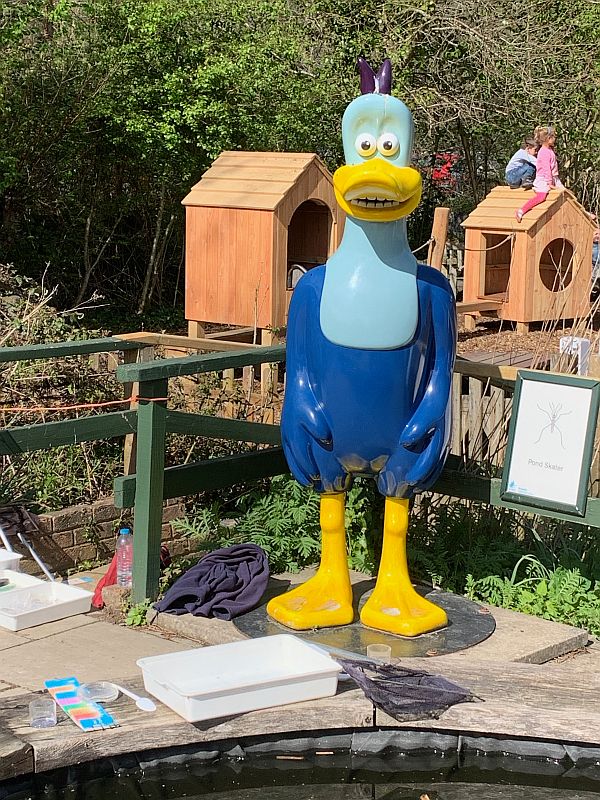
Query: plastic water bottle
{"type": "Point", "coordinates": [124, 552]}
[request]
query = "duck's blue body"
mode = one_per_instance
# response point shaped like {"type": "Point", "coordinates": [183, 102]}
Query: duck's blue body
{"type": "Point", "coordinates": [359, 411]}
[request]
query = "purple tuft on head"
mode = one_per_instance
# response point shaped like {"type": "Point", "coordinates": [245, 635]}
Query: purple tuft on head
{"type": "Point", "coordinates": [367, 77]}
{"type": "Point", "coordinates": [370, 82]}
{"type": "Point", "coordinates": [384, 77]}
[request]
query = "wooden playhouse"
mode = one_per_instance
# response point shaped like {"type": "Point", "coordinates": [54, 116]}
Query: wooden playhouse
{"type": "Point", "coordinates": [254, 223]}
{"type": "Point", "coordinates": [538, 269]}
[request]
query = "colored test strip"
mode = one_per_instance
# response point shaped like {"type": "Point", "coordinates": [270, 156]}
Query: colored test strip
{"type": "Point", "coordinates": [87, 715]}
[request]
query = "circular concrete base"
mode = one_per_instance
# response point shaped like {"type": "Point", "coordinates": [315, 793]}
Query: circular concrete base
{"type": "Point", "coordinates": [468, 624]}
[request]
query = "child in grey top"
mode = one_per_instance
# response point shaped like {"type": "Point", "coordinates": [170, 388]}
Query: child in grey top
{"type": "Point", "coordinates": [520, 170]}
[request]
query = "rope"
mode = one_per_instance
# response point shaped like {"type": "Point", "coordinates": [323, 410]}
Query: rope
{"type": "Point", "coordinates": [428, 242]}
{"type": "Point", "coordinates": [79, 406]}
{"type": "Point", "coordinates": [493, 247]}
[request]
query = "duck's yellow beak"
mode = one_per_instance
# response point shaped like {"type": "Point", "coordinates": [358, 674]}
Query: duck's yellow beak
{"type": "Point", "coordinates": [377, 190]}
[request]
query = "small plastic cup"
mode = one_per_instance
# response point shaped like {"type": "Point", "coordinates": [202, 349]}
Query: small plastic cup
{"type": "Point", "coordinates": [379, 652]}
{"type": "Point", "coordinates": [42, 713]}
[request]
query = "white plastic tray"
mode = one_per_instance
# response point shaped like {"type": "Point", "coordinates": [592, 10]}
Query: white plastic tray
{"type": "Point", "coordinates": [18, 580]}
{"type": "Point", "coordinates": [9, 559]}
{"type": "Point", "coordinates": [233, 678]}
{"type": "Point", "coordinates": [45, 601]}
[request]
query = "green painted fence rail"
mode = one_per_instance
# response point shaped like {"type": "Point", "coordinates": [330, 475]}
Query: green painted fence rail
{"type": "Point", "coordinates": [43, 436]}
{"type": "Point", "coordinates": [194, 365]}
{"type": "Point", "coordinates": [214, 473]}
{"type": "Point", "coordinates": [152, 421]}
{"type": "Point", "coordinates": [84, 347]}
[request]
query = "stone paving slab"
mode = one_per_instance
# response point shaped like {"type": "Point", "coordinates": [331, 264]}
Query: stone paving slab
{"type": "Point", "coordinates": [9, 639]}
{"type": "Point", "coordinates": [58, 626]}
{"type": "Point", "coordinates": [523, 638]}
{"type": "Point", "coordinates": [97, 651]}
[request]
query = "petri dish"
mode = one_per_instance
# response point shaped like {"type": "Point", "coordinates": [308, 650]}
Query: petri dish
{"type": "Point", "coordinates": [99, 691]}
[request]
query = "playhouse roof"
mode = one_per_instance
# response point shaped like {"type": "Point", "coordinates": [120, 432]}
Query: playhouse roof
{"type": "Point", "coordinates": [497, 211]}
{"type": "Point", "coordinates": [252, 180]}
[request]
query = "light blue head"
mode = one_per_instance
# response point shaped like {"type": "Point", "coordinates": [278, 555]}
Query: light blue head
{"type": "Point", "coordinates": [370, 297]}
{"type": "Point", "coordinates": [378, 126]}
{"type": "Point", "coordinates": [377, 183]}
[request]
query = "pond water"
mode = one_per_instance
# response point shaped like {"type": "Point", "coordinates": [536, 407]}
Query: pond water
{"type": "Point", "coordinates": [318, 776]}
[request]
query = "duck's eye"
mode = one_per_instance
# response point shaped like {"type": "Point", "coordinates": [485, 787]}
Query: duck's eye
{"type": "Point", "coordinates": [388, 144]}
{"type": "Point", "coordinates": [365, 144]}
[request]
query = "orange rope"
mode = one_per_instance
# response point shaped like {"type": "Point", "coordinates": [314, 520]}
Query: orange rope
{"type": "Point", "coordinates": [31, 409]}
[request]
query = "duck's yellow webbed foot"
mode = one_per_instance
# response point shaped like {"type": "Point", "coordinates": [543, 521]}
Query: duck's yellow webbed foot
{"type": "Point", "coordinates": [319, 603]}
{"type": "Point", "coordinates": [394, 605]}
{"type": "Point", "coordinates": [325, 600]}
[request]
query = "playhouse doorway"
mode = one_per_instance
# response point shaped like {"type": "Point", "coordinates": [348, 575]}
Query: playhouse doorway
{"type": "Point", "coordinates": [496, 256]}
{"type": "Point", "coordinates": [309, 237]}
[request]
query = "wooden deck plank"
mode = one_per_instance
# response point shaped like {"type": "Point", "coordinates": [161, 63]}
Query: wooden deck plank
{"type": "Point", "coordinates": [478, 305]}
{"type": "Point", "coordinates": [66, 744]}
{"type": "Point", "coordinates": [516, 358]}
{"type": "Point", "coordinates": [16, 756]}
{"type": "Point", "coordinates": [516, 700]}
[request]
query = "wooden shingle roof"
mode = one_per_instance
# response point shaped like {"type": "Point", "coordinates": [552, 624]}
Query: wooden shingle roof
{"type": "Point", "coordinates": [251, 180]}
{"type": "Point", "coordinates": [497, 211]}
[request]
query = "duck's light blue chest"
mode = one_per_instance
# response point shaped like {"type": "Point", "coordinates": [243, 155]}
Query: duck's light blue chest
{"type": "Point", "coordinates": [370, 298]}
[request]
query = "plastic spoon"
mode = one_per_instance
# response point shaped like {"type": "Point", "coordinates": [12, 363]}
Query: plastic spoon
{"type": "Point", "coordinates": [143, 703]}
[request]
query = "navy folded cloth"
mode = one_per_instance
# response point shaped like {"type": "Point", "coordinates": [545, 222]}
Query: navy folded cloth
{"type": "Point", "coordinates": [224, 584]}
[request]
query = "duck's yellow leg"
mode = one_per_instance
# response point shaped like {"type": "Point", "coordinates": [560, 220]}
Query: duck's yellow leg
{"type": "Point", "coordinates": [326, 599]}
{"type": "Point", "coordinates": [394, 605]}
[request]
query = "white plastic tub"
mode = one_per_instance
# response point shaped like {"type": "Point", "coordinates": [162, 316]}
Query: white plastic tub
{"type": "Point", "coordinates": [243, 676]}
{"type": "Point", "coordinates": [43, 602]}
{"type": "Point", "coordinates": [9, 559]}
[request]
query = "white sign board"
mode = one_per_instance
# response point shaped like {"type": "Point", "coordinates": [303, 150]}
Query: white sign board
{"type": "Point", "coordinates": [551, 442]}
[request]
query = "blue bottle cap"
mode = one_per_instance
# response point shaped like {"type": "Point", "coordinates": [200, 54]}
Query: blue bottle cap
{"type": "Point", "coordinates": [124, 530]}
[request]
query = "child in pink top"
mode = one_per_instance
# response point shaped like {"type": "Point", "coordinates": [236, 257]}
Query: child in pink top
{"type": "Point", "coordinates": [546, 170]}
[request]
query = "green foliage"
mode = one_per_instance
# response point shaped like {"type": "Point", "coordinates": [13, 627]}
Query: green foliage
{"type": "Point", "coordinates": [175, 570]}
{"type": "Point", "coordinates": [559, 594]}
{"type": "Point", "coordinates": [136, 614]}
{"type": "Point", "coordinates": [449, 541]}
{"type": "Point", "coordinates": [284, 521]}
{"type": "Point", "coordinates": [112, 109]}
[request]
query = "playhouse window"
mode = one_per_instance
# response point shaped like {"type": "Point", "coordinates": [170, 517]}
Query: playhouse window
{"type": "Point", "coordinates": [556, 265]}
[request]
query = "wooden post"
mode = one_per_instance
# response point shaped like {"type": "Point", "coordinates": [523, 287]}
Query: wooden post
{"type": "Point", "coordinates": [228, 382]}
{"type": "Point", "coordinates": [456, 414]}
{"type": "Point", "coordinates": [130, 390]}
{"type": "Point", "coordinates": [475, 417]}
{"type": "Point", "coordinates": [248, 381]}
{"type": "Point", "coordinates": [267, 338]}
{"type": "Point", "coordinates": [196, 329]}
{"type": "Point", "coordinates": [147, 520]}
{"type": "Point", "coordinates": [439, 234]}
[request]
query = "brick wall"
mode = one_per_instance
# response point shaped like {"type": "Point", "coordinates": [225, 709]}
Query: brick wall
{"type": "Point", "coordinates": [88, 533]}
